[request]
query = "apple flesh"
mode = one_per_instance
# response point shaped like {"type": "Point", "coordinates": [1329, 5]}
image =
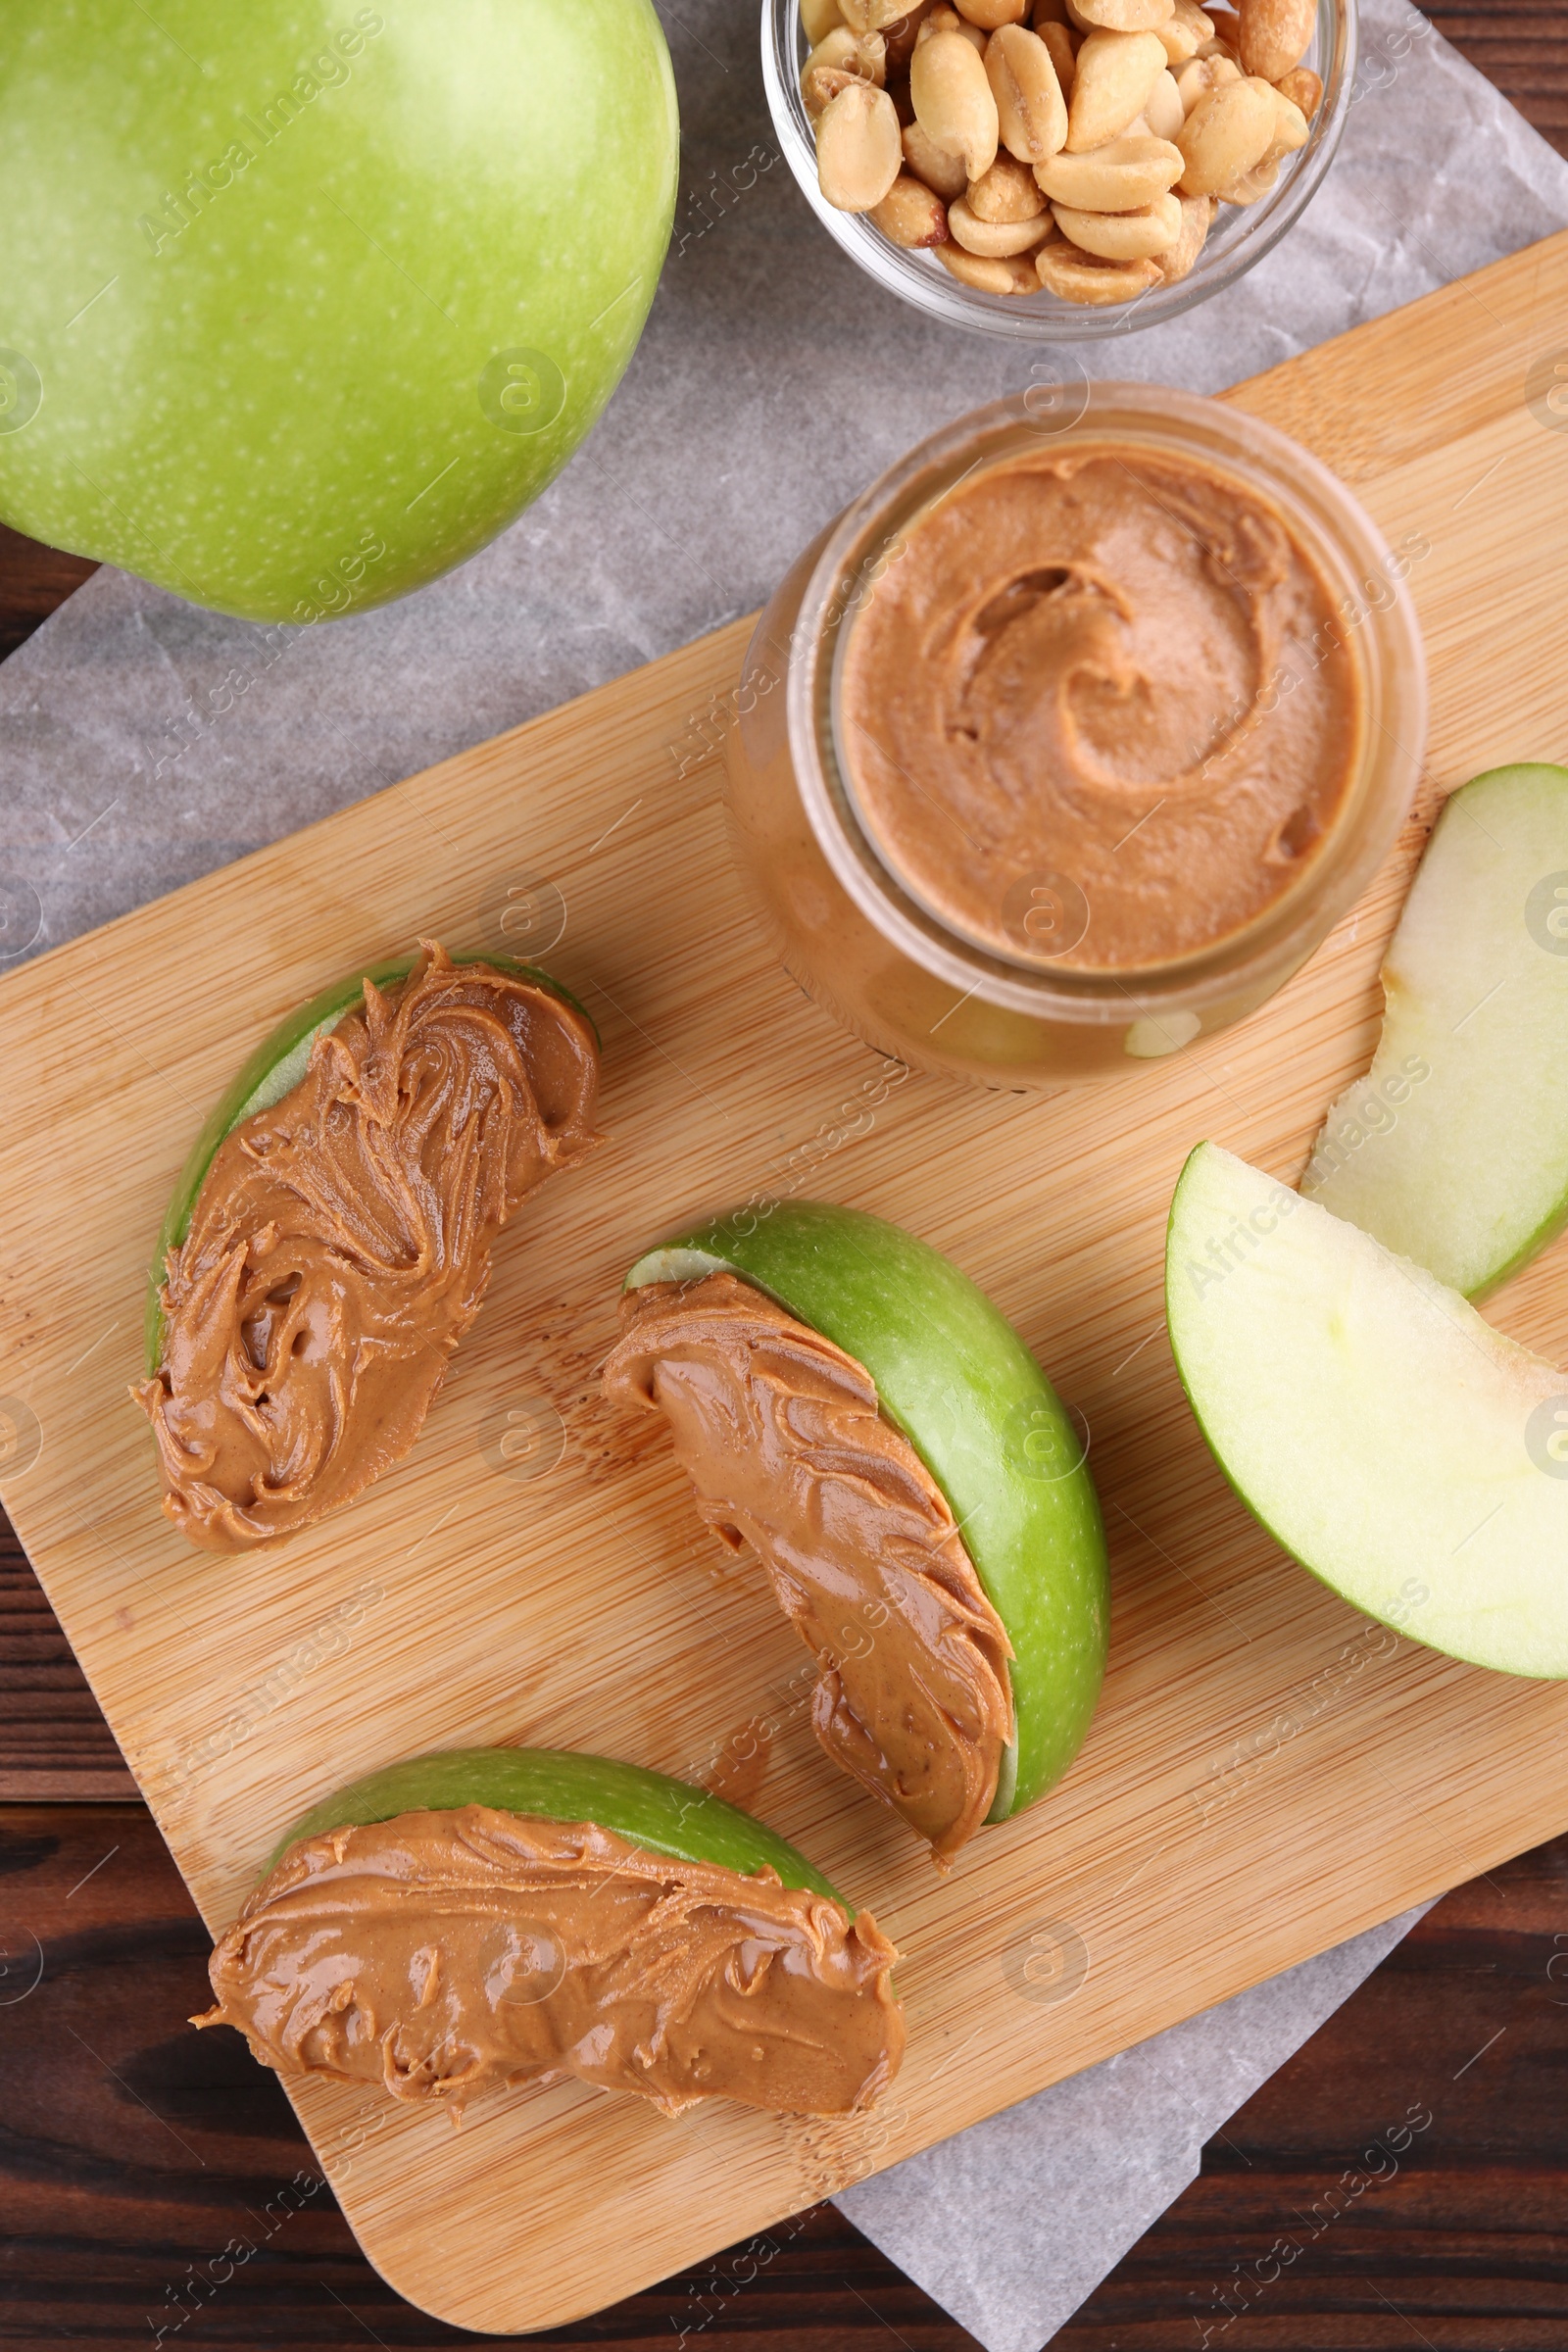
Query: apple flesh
{"type": "Point", "coordinates": [305, 302]}
{"type": "Point", "coordinates": [1454, 1148]}
{"type": "Point", "coordinates": [953, 1376]}
{"type": "Point", "coordinates": [273, 1070]}
{"type": "Point", "coordinates": [1403, 1450]}
{"type": "Point", "coordinates": [648, 1809]}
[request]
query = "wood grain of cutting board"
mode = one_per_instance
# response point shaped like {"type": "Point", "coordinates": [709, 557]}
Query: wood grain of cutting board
{"type": "Point", "coordinates": [1266, 1775]}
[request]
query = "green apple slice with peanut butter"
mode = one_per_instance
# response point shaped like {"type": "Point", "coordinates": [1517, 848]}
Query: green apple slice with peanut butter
{"type": "Point", "coordinates": [1453, 1147]}
{"type": "Point", "coordinates": [1385, 1434]}
{"type": "Point", "coordinates": [328, 1241]}
{"type": "Point", "coordinates": [852, 1406]}
{"type": "Point", "coordinates": [507, 1915]}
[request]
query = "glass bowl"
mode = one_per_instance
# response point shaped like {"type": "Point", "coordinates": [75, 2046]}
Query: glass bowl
{"type": "Point", "coordinates": [1240, 235]}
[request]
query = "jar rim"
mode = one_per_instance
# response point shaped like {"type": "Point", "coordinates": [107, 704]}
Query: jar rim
{"type": "Point", "coordinates": [1356, 563]}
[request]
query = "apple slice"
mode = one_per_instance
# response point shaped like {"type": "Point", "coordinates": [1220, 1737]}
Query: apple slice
{"type": "Point", "coordinates": [649, 1809]}
{"type": "Point", "coordinates": [1454, 1148]}
{"type": "Point", "coordinates": [273, 1071]}
{"type": "Point", "coordinates": [953, 1376]}
{"type": "Point", "coordinates": [527, 1913]}
{"type": "Point", "coordinates": [1399, 1446]}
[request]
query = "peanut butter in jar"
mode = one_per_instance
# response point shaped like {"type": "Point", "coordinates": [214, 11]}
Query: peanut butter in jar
{"type": "Point", "coordinates": [1099, 711]}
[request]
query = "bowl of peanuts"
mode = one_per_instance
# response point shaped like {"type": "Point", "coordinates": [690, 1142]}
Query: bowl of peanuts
{"type": "Point", "coordinates": [1058, 169]}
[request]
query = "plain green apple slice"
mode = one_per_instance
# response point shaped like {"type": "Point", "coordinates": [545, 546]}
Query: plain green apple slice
{"type": "Point", "coordinates": [648, 1809]}
{"type": "Point", "coordinates": [953, 1376]}
{"type": "Point", "coordinates": [273, 1070]}
{"type": "Point", "coordinates": [1399, 1446]}
{"type": "Point", "coordinates": [1454, 1148]}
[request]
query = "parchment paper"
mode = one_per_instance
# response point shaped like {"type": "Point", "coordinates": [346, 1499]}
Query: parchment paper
{"type": "Point", "coordinates": [143, 743]}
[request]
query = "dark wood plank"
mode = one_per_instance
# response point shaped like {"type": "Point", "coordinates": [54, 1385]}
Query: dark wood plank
{"type": "Point", "coordinates": [1522, 47]}
{"type": "Point", "coordinates": [138, 2160]}
{"type": "Point", "coordinates": [54, 1744]}
{"type": "Point", "coordinates": [33, 580]}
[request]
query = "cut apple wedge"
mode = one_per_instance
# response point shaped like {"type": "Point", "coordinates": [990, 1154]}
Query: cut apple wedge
{"type": "Point", "coordinates": [954, 1376]}
{"type": "Point", "coordinates": [1399, 1446]}
{"type": "Point", "coordinates": [649, 1809]}
{"type": "Point", "coordinates": [273, 1071]}
{"type": "Point", "coordinates": [1454, 1148]}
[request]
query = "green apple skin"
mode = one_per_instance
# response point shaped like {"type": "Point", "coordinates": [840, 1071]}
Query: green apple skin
{"type": "Point", "coordinates": [648, 1809]}
{"type": "Point", "coordinates": [1392, 1442]}
{"type": "Point", "coordinates": [953, 1376]}
{"type": "Point", "coordinates": [305, 301]}
{"type": "Point", "coordinates": [273, 1070]}
{"type": "Point", "coordinates": [1454, 1148]}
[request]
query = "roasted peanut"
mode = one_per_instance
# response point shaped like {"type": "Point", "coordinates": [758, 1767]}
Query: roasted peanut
{"type": "Point", "coordinates": [991, 275]}
{"type": "Point", "coordinates": [822, 85]}
{"type": "Point", "coordinates": [1176, 262]}
{"type": "Point", "coordinates": [818, 18]}
{"type": "Point", "coordinates": [1123, 236]}
{"type": "Point", "coordinates": [990, 14]}
{"type": "Point", "coordinates": [947, 20]}
{"type": "Point", "coordinates": [1275, 35]}
{"type": "Point", "coordinates": [911, 214]}
{"type": "Point", "coordinates": [858, 149]}
{"type": "Point", "coordinates": [1302, 87]}
{"type": "Point", "coordinates": [1290, 128]}
{"type": "Point", "coordinates": [941, 171]}
{"type": "Point", "coordinates": [1050, 12]}
{"type": "Point", "coordinates": [1078, 276]}
{"type": "Point", "coordinates": [1163, 110]}
{"type": "Point", "coordinates": [1115, 72]}
{"type": "Point", "coordinates": [995, 237]}
{"type": "Point", "coordinates": [839, 54]}
{"type": "Point", "coordinates": [1121, 16]}
{"type": "Point", "coordinates": [952, 100]}
{"type": "Point", "coordinates": [1030, 112]}
{"type": "Point", "coordinates": [837, 47]}
{"type": "Point", "coordinates": [1201, 75]}
{"type": "Point", "coordinates": [1184, 32]}
{"type": "Point", "coordinates": [1226, 134]}
{"type": "Point", "coordinates": [1247, 187]}
{"type": "Point", "coordinates": [1115, 178]}
{"type": "Point", "coordinates": [1063, 55]}
{"type": "Point", "coordinates": [902, 37]}
{"type": "Point", "coordinates": [1008, 192]}
{"type": "Point", "coordinates": [871, 16]}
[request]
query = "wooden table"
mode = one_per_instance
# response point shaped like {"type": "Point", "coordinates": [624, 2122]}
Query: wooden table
{"type": "Point", "coordinates": [136, 2158]}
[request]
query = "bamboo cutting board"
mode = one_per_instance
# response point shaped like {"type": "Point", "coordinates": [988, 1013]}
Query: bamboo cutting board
{"type": "Point", "coordinates": [1267, 1773]}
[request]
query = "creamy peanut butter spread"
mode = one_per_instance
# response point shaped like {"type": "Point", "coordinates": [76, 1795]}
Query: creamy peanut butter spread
{"type": "Point", "coordinates": [781, 1433]}
{"type": "Point", "coordinates": [444, 1952]}
{"type": "Point", "coordinates": [1100, 711]}
{"type": "Point", "coordinates": [340, 1246]}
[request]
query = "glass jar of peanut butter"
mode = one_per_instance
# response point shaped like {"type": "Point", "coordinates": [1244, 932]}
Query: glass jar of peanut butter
{"type": "Point", "coordinates": [1071, 740]}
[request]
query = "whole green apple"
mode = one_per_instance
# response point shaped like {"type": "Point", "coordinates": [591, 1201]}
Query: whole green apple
{"type": "Point", "coordinates": [302, 303]}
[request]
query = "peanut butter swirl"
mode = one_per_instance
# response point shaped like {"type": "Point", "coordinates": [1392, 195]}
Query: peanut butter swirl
{"type": "Point", "coordinates": [340, 1246]}
{"type": "Point", "coordinates": [781, 1433]}
{"type": "Point", "coordinates": [444, 1952]}
{"type": "Point", "coordinates": [1103, 712]}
